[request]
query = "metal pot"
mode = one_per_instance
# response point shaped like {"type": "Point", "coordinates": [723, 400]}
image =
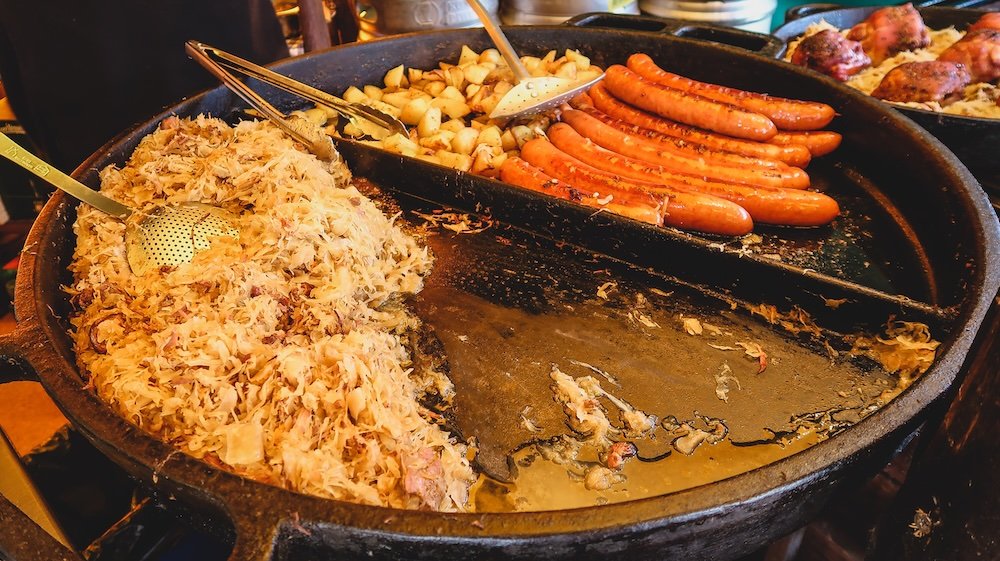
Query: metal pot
{"type": "Point", "coordinates": [391, 17]}
{"type": "Point", "coordinates": [974, 140]}
{"type": "Point", "coordinates": [751, 15]}
{"type": "Point", "coordinates": [907, 212]}
{"type": "Point", "coordinates": [543, 12]}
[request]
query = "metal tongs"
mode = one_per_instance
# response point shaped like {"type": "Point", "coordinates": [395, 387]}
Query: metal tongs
{"type": "Point", "coordinates": [217, 61]}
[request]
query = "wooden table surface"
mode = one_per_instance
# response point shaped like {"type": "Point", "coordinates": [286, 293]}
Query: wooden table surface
{"type": "Point", "coordinates": [27, 414]}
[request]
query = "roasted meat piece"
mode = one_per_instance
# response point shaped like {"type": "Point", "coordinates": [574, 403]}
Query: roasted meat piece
{"type": "Point", "coordinates": [832, 54]}
{"type": "Point", "coordinates": [890, 30]}
{"type": "Point", "coordinates": [923, 81]}
{"type": "Point", "coordinates": [979, 51]}
{"type": "Point", "coordinates": [989, 20]}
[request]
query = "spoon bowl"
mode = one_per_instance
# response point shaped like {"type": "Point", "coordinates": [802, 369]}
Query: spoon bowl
{"type": "Point", "coordinates": [538, 94]}
{"type": "Point", "coordinates": [167, 235]}
{"type": "Point", "coordinates": [530, 94]}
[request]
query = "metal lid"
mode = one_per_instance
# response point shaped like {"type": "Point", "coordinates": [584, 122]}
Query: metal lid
{"type": "Point", "coordinates": [550, 12]}
{"type": "Point", "coordinates": [389, 17]}
{"type": "Point", "coordinates": [723, 12]}
{"type": "Point", "coordinates": [567, 8]}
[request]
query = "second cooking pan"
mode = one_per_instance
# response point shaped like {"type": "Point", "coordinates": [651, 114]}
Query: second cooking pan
{"type": "Point", "coordinates": [916, 242]}
{"type": "Point", "coordinates": [974, 140]}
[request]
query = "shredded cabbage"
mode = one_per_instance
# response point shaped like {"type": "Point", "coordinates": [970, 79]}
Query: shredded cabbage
{"type": "Point", "coordinates": [279, 355]}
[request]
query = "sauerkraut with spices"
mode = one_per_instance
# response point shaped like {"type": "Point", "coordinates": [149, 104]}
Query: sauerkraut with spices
{"type": "Point", "coordinates": [280, 355]}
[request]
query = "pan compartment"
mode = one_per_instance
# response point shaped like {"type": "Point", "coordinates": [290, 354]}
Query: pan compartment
{"type": "Point", "coordinates": [508, 303]}
{"type": "Point", "coordinates": [729, 266]}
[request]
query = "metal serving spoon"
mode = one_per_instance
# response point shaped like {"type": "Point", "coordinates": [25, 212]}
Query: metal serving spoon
{"type": "Point", "coordinates": [168, 235]}
{"type": "Point", "coordinates": [358, 114]}
{"type": "Point", "coordinates": [530, 94]}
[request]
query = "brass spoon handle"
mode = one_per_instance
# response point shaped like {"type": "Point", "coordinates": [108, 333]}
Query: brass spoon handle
{"type": "Point", "coordinates": [500, 40]}
{"type": "Point", "coordinates": [13, 152]}
{"type": "Point", "coordinates": [350, 110]}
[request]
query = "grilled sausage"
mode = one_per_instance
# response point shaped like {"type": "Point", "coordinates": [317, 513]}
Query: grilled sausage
{"type": "Point", "coordinates": [787, 114]}
{"type": "Point", "coordinates": [770, 205]}
{"type": "Point", "coordinates": [689, 211]}
{"type": "Point", "coordinates": [694, 151]}
{"type": "Point", "coordinates": [601, 99]}
{"type": "Point", "coordinates": [519, 172]}
{"type": "Point", "coordinates": [819, 143]}
{"type": "Point", "coordinates": [635, 147]}
{"type": "Point", "coordinates": [686, 108]}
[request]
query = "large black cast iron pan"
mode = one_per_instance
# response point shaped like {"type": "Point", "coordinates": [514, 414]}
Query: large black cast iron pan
{"type": "Point", "coordinates": [974, 140]}
{"type": "Point", "coordinates": [917, 240]}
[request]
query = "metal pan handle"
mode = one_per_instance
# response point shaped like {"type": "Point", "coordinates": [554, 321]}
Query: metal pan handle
{"type": "Point", "coordinates": [255, 538]}
{"type": "Point", "coordinates": [29, 531]}
{"type": "Point", "coordinates": [796, 12]}
{"type": "Point", "coordinates": [759, 43]}
{"type": "Point", "coordinates": [953, 3]}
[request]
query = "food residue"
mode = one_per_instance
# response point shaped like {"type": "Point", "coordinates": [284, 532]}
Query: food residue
{"type": "Point", "coordinates": [906, 349]}
{"type": "Point", "coordinates": [460, 223]}
{"type": "Point", "coordinates": [723, 380]}
{"type": "Point", "coordinates": [692, 325]}
{"type": "Point", "coordinates": [593, 430]}
{"type": "Point", "coordinates": [604, 289]}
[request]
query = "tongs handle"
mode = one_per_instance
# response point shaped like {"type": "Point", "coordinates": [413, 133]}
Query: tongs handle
{"type": "Point", "coordinates": [319, 146]}
{"type": "Point", "coordinates": [350, 110]}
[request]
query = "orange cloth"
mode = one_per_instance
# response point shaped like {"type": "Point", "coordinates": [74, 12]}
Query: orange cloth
{"type": "Point", "coordinates": [6, 113]}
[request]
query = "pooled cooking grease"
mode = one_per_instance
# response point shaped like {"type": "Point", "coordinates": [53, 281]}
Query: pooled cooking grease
{"type": "Point", "coordinates": [509, 308]}
{"type": "Point", "coordinates": [501, 349]}
{"type": "Point", "coordinates": [541, 484]}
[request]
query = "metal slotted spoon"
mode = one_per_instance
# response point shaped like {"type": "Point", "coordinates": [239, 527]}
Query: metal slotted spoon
{"type": "Point", "coordinates": [530, 94]}
{"type": "Point", "coordinates": [168, 235]}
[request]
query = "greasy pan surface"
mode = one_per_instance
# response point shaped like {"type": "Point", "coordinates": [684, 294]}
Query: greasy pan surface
{"type": "Point", "coordinates": [974, 140]}
{"type": "Point", "coordinates": [932, 206]}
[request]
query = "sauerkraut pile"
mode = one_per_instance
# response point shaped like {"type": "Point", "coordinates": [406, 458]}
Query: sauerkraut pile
{"type": "Point", "coordinates": [278, 356]}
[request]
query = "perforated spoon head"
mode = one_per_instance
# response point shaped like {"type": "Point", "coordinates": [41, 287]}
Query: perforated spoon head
{"type": "Point", "coordinates": [171, 235]}
{"type": "Point", "coordinates": [168, 235]}
{"type": "Point", "coordinates": [535, 95]}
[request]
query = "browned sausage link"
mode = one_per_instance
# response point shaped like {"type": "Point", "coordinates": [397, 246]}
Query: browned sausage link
{"type": "Point", "coordinates": [689, 211]}
{"type": "Point", "coordinates": [819, 143]}
{"type": "Point", "coordinates": [687, 108]}
{"type": "Point", "coordinates": [634, 147]}
{"type": "Point", "coordinates": [582, 98]}
{"type": "Point", "coordinates": [770, 205]}
{"type": "Point", "coordinates": [522, 174]}
{"type": "Point", "coordinates": [688, 150]}
{"type": "Point", "coordinates": [601, 99]}
{"type": "Point", "coordinates": [788, 114]}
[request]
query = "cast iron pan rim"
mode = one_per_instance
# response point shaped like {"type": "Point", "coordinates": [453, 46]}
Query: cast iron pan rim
{"type": "Point", "coordinates": [781, 32]}
{"type": "Point", "coordinates": [156, 459]}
